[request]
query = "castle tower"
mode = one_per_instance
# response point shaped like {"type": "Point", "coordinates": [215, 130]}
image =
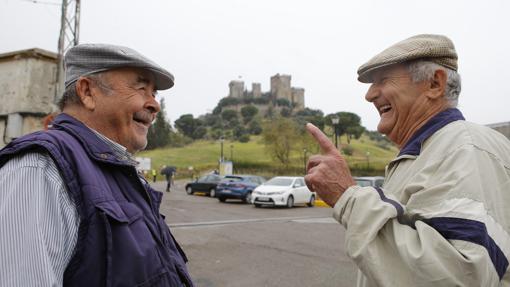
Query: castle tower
{"type": "Point", "coordinates": [256, 90]}
{"type": "Point", "coordinates": [236, 89]}
{"type": "Point", "coordinates": [280, 87]}
{"type": "Point", "coordinates": [298, 98]}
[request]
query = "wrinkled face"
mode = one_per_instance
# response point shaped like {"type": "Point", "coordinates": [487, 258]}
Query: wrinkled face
{"type": "Point", "coordinates": [400, 102]}
{"type": "Point", "coordinates": [126, 107]}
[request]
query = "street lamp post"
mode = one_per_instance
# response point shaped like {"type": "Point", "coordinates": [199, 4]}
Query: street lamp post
{"type": "Point", "coordinates": [232, 153]}
{"type": "Point", "coordinates": [304, 158]}
{"type": "Point", "coordinates": [335, 120]}
{"type": "Point", "coordinates": [221, 144]}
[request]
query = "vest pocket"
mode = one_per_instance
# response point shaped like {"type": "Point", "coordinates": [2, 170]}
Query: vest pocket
{"type": "Point", "coordinates": [122, 212]}
{"type": "Point", "coordinates": [131, 254]}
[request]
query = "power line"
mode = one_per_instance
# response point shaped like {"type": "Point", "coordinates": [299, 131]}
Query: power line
{"type": "Point", "coordinates": [43, 2]}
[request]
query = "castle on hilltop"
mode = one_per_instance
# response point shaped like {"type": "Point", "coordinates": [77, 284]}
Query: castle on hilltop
{"type": "Point", "coordinates": [280, 89]}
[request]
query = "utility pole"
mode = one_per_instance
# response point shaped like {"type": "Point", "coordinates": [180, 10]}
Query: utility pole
{"type": "Point", "coordinates": [69, 37]}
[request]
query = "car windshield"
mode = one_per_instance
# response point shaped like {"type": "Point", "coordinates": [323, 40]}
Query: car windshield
{"type": "Point", "coordinates": [279, 181]}
{"type": "Point", "coordinates": [231, 179]}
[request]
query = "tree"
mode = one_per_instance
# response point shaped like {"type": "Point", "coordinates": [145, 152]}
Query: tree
{"type": "Point", "coordinates": [248, 112]}
{"type": "Point", "coordinates": [159, 132]}
{"type": "Point", "coordinates": [283, 102]}
{"type": "Point", "coordinates": [308, 115]}
{"type": "Point", "coordinates": [186, 125]}
{"type": "Point", "coordinates": [254, 127]}
{"type": "Point", "coordinates": [280, 136]}
{"type": "Point", "coordinates": [230, 117]}
{"type": "Point", "coordinates": [348, 123]}
{"type": "Point", "coordinates": [191, 127]}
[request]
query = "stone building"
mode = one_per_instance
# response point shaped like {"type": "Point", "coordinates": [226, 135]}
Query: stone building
{"type": "Point", "coordinates": [256, 90]}
{"type": "Point", "coordinates": [280, 89]}
{"type": "Point", "coordinates": [27, 91]}
{"type": "Point", "coordinates": [236, 89]}
{"type": "Point", "coordinates": [298, 98]}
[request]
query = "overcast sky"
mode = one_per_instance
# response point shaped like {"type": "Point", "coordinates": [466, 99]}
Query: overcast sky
{"type": "Point", "coordinates": [321, 43]}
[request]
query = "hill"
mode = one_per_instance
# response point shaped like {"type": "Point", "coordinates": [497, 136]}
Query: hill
{"type": "Point", "coordinates": [368, 157]}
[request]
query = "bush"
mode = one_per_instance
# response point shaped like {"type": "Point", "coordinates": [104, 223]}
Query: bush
{"type": "Point", "coordinates": [244, 138]}
{"type": "Point", "coordinates": [347, 150]}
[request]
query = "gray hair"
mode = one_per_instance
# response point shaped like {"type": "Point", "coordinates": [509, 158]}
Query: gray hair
{"type": "Point", "coordinates": [424, 70]}
{"type": "Point", "coordinates": [71, 97]}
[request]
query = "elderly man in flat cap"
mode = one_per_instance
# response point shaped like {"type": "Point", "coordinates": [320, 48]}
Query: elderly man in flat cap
{"type": "Point", "coordinates": [442, 217]}
{"type": "Point", "coordinates": [73, 210]}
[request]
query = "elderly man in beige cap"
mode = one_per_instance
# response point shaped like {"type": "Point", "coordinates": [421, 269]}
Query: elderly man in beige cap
{"type": "Point", "coordinates": [442, 217]}
{"type": "Point", "coordinates": [73, 209]}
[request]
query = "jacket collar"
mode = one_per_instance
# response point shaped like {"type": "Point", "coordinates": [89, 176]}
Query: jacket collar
{"type": "Point", "coordinates": [413, 146]}
{"type": "Point", "coordinates": [97, 147]}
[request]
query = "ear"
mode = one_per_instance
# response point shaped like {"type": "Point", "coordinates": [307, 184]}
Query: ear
{"type": "Point", "coordinates": [86, 93]}
{"type": "Point", "coordinates": [437, 85]}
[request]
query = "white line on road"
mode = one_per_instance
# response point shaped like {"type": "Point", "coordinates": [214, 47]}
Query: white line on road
{"type": "Point", "coordinates": [307, 219]}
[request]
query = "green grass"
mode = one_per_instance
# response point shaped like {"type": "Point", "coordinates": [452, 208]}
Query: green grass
{"type": "Point", "coordinates": [252, 158]}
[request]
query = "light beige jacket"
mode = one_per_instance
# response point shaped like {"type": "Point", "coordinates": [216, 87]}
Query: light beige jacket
{"type": "Point", "coordinates": [442, 217]}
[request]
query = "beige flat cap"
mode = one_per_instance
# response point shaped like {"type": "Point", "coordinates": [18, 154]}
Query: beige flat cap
{"type": "Point", "coordinates": [435, 48]}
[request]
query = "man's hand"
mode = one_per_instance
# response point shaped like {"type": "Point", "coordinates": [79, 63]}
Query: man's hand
{"type": "Point", "coordinates": [327, 174]}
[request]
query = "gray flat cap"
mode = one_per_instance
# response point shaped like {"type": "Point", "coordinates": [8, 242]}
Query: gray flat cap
{"type": "Point", "coordinates": [86, 59]}
{"type": "Point", "coordinates": [436, 48]}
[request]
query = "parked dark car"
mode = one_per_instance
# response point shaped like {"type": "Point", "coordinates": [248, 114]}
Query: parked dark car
{"type": "Point", "coordinates": [206, 183]}
{"type": "Point", "coordinates": [238, 187]}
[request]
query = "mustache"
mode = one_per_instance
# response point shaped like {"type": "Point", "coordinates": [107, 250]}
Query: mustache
{"type": "Point", "coordinates": [145, 116]}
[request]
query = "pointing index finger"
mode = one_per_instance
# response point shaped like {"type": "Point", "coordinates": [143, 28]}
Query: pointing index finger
{"type": "Point", "coordinates": [325, 144]}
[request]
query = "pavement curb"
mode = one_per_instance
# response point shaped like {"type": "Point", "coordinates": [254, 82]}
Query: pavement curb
{"type": "Point", "coordinates": [320, 203]}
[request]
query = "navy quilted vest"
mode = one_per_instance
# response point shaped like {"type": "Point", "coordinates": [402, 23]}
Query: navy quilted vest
{"type": "Point", "coordinates": [123, 240]}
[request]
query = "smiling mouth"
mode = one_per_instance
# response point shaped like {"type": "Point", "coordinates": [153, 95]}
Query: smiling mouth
{"type": "Point", "coordinates": [143, 118]}
{"type": "Point", "coordinates": [384, 109]}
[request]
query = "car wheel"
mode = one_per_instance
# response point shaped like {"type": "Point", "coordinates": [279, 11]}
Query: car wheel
{"type": "Point", "coordinates": [311, 203]}
{"type": "Point", "coordinates": [247, 198]}
{"type": "Point", "coordinates": [212, 192]}
{"type": "Point", "coordinates": [189, 190]}
{"type": "Point", "coordinates": [290, 201]}
{"type": "Point", "coordinates": [257, 205]}
{"type": "Point", "coordinates": [222, 199]}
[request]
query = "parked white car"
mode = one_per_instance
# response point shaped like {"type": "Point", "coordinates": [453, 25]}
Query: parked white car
{"type": "Point", "coordinates": [375, 181]}
{"type": "Point", "coordinates": [283, 191]}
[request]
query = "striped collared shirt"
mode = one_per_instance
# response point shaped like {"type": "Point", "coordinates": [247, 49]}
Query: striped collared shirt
{"type": "Point", "coordinates": [38, 219]}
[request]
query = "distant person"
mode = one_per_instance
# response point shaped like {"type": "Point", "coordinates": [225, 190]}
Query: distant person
{"type": "Point", "coordinates": [73, 209]}
{"type": "Point", "coordinates": [442, 216]}
{"type": "Point", "coordinates": [154, 175]}
{"type": "Point", "coordinates": [169, 173]}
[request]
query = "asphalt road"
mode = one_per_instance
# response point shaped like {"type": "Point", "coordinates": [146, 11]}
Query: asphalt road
{"type": "Point", "coordinates": [235, 244]}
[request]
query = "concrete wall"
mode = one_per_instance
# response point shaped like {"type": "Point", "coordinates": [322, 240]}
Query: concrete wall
{"type": "Point", "coordinates": [27, 91]}
{"type": "Point", "coordinates": [32, 123]}
{"type": "Point", "coordinates": [27, 85]}
{"type": "Point", "coordinates": [2, 132]}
